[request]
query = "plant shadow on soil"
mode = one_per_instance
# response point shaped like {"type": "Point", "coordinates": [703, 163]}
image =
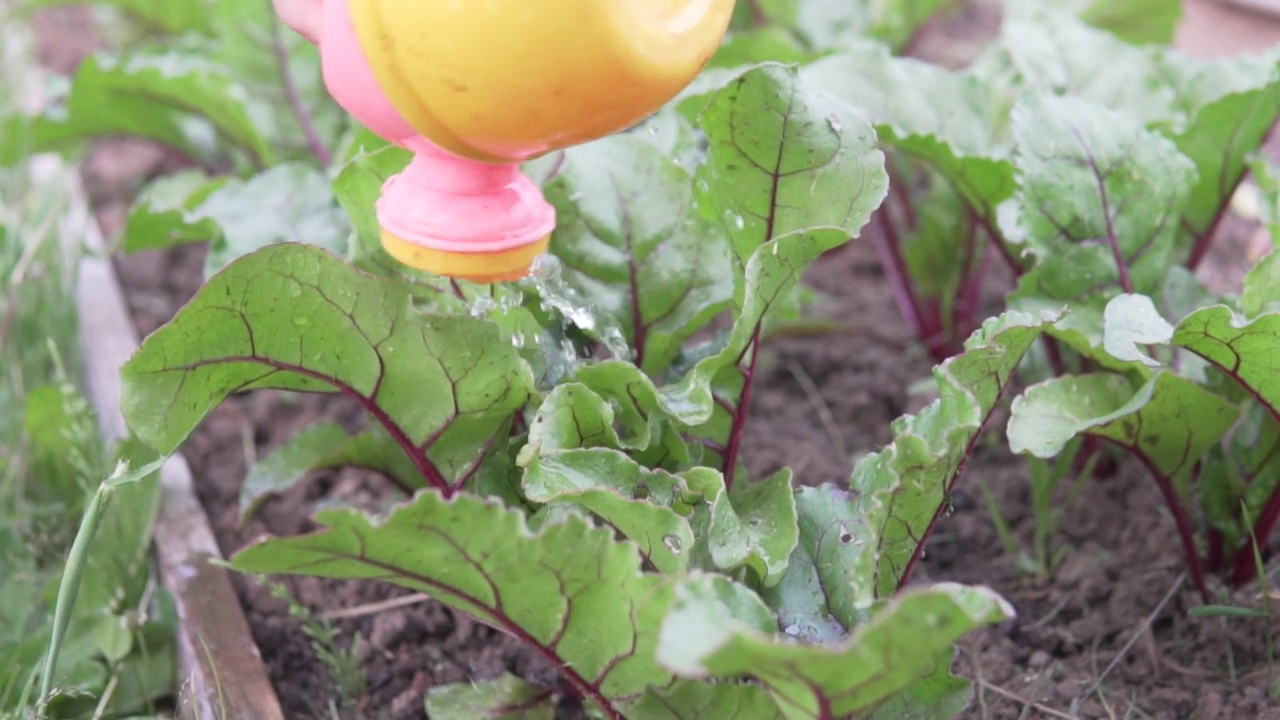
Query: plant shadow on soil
{"type": "Point", "coordinates": [1086, 642]}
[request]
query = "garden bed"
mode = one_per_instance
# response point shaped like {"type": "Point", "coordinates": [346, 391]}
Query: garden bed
{"type": "Point", "coordinates": [1107, 636]}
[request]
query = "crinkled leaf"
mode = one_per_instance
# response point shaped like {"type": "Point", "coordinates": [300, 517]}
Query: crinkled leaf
{"type": "Point", "coordinates": [1262, 287]}
{"type": "Point", "coordinates": [1135, 21]}
{"type": "Point", "coordinates": [295, 317]}
{"type": "Point", "coordinates": [752, 526]}
{"type": "Point", "coordinates": [162, 215]}
{"type": "Point", "coordinates": [571, 416]}
{"type": "Point", "coordinates": [325, 445]}
{"type": "Point", "coordinates": [1245, 351]}
{"type": "Point", "coordinates": [957, 122]}
{"type": "Point", "coordinates": [1087, 174]}
{"type": "Point", "coordinates": [288, 203]}
{"type": "Point", "coordinates": [694, 700]}
{"type": "Point", "coordinates": [902, 488]}
{"type": "Point", "coordinates": [1230, 105]}
{"type": "Point", "coordinates": [903, 641]}
{"type": "Point", "coordinates": [816, 601]}
{"type": "Point", "coordinates": [938, 696]}
{"type": "Point", "coordinates": [506, 697]}
{"type": "Point", "coordinates": [570, 591]}
{"type": "Point", "coordinates": [1169, 421]}
{"type": "Point", "coordinates": [1130, 323]}
{"type": "Point", "coordinates": [1054, 51]}
{"type": "Point", "coordinates": [784, 156]}
{"type": "Point", "coordinates": [633, 246]}
{"type": "Point", "coordinates": [617, 489]}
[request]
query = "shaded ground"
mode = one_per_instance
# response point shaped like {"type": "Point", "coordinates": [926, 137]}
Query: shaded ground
{"type": "Point", "coordinates": [1106, 636]}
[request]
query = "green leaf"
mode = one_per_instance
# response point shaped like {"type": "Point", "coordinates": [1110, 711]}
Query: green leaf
{"type": "Point", "coordinates": [1170, 422]}
{"type": "Point", "coordinates": [505, 698]}
{"type": "Point", "coordinates": [319, 446]}
{"type": "Point", "coordinates": [1230, 105]}
{"type": "Point", "coordinates": [1053, 51]}
{"type": "Point", "coordinates": [904, 640]}
{"type": "Point", "coordinates": [288, 203]}
{"type": "Point", "coordinates": [752, 526]}
{"type": "Point", "coordinates": [1088, 175]}
{"type": "Point", "coordinates": [692, 700]}
{"type": "Point", "coordinates": [179, 98]}
{"type": "Point", "coordinates": [163, 217]}
{"type": "Point", "coordinates": [902, 488]}
{"type": "Point", "coordinates": [1135, 21]}
{"type": "Point", "coordinates": [170, 17]}
{"type": "Point", "coordinates": [618, 490]}
{"type": "Point", "coordinates": [957, 122]}
{"type": "Point", "coordinates": [357, 188]}
{"type": "Point", "coordinates": [1262, 287]}
{"type": "Point", "coordinates": [633, 247]}
{"type": "Point", "coordinates": [816, 601]}
{"type": "Point", "coordinates": [570, 417]}
{"type": "Point", "coordinates": [570, 591]}
{"type": "Point", "coordinates": [1245, 351]}
{"type": "Point", "coordinates": [295, 317]}
{"type": "Point", "coordinates": [785, 157]}
{"type": "Point", "coordinates": [938, 696]}
{"type": "Point", "coordinates": [1132, 321]}
{"type": "Point", "coordinates": [825, 25]}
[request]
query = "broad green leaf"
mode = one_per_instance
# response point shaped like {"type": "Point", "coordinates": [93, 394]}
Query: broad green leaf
{"type": "Point", "coordinates": [1130, 322]}
{"type": "Point", "coordinates": [289, 203]}
{"type": "Point", "coordinates": [1169, 421]}
{"type": "Point", "coordinates": [163, 216]}
{"type": "Point", "coordinates": [1053, 51]}
{"type": "Point", "coordinates": [570, 591]}
{"type": "Point", "coordinates": [357, 187]}
{"type": "Point", "coordinates": [1135, 21]}
{"type": "Point", "coordinates": [753, 525]}
{"type": "Point", "coordinates": [1230, 105]}
{"type": "Point", "coordinates": [1245, 351]}
{"type": "Point", "coordinates": [570, 417]}
{"type": "Point", "coordinates": [633, 246]}
{"type": "Point", "coordinates": [816, 601]}
{"type": "Point", "coordinates": [177, 97]}
{"type": "Point", "coordinates": [693, 700]}
{"type": "Point", "coordinates": [631, 499]}
{"type": "Point", "coordinates": [295, 317]}
{"type": "Point", "coordinates": [903, 641]}
{"type": "Point", "coordinates": [784, 156]}
{"type": "Point", "coordinates": [325, 445]}
{"type": "Point", "coordinates": [939, 696]}
{"type": "Point", "coordinates": [1088, 175]}
{"type": "Point", "coordinates": [505, 698]}
{"type": "Point", "coordinates": [1262, 287]}
{"type": "Point", "coordinates": [904, 487]}
{"type": "Point", "coordinates": [957, 122]}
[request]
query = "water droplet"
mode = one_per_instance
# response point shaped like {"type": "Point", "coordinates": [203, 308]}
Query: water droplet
{"type": "Point", "coordinates": [673, 543]}
{"type": "Point", "coordinates": [481, 306]}
{"type": "Point", "coordinates": [301, 320]}
{"type": "Point", "coordinates": [836, 125]}
{"type": "Point", "coordinates": [557, 295]}
{"type": "Point", "coordinates": [294, 288]}
{"type": "Point", "coordinates": [733, 220]}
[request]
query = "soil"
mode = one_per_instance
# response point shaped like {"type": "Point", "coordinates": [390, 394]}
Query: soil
{"type": "Point", "coordinates": [1106, 636]}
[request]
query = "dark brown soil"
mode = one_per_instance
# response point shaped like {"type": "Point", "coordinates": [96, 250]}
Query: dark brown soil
{"type": "Point", "coordinates": [1107, 636]}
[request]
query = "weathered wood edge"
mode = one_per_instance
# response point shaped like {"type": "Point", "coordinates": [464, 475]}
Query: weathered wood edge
{"type": "Point", "coordinates": [221, 672]}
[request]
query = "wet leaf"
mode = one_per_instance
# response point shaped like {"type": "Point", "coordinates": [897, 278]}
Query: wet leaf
{"type": "Point", "coordinates": [693, 700]}
{"type": "Point", "coordinates": [1244, 351]}
{"type": "Point", "coordinates": [295, 317]}
{"type": "Point", "coordinates": [632, 245]}
{"type": "Point", "coordinates": [785, 157]}
{"type": "Point", "coordinates": [1130, 323]}
{"type": "Point", "coordinates": [903, 641]}
{"type": "Point", "coordinates": [570, 590]}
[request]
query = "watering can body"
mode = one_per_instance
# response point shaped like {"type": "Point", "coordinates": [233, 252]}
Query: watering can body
{"type": "Point", "coordinates": [474, 87]}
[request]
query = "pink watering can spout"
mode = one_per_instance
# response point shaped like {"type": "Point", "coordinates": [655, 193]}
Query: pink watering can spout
{"type": "Point", "coordinates": [473, 89]}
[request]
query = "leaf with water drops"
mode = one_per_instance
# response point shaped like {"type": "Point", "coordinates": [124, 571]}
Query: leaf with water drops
{"type": "Point", "coordinates": [633, 246]}
{"type": "Point", "coordinates": [570, 591]}
{"type": "Point", "coordinates": [295, 317]}
{"type": "Point", "coordinates": [902, 642]}
{"type": "Point", "coordinates": [784, 157]}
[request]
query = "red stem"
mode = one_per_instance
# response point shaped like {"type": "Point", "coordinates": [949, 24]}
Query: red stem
{"type": "Point", "coordinates": [734, 445]}
{"type": "Point", "coordinates": [1183, 522]}
{"type": "Point", "coordinates": [1244, 567]}
{"type": "Point", "coordinates": [294, 98]}
{"type": "Point", "coordinates": [888, 248]}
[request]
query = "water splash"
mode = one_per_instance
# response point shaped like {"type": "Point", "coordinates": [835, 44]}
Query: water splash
{"type": "Point", "coordinates": [555, 293]}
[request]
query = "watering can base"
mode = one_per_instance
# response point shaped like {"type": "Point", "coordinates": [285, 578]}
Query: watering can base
{"type": "Point", "coordinates": [478, 267]}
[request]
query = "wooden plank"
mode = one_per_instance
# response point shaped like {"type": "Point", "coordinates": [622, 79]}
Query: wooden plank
{"type": "Point", "coordinates": [221, 672]}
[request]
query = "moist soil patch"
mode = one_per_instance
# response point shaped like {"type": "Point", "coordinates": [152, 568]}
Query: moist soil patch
{"type": "Point", "coordinates": [1107, 635]}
